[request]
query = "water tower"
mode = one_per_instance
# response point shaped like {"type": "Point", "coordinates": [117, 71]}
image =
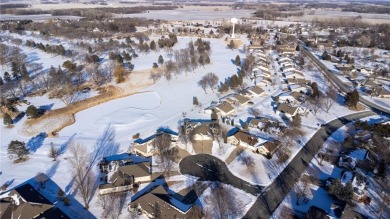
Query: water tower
{"type": "Point", "coordinates": [234, 21]}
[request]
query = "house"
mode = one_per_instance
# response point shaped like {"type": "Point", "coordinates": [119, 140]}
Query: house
{"type": "Point", "coordinates": [344, 67]}
{"type": "Point", "coordinates": [256, 91]}
{"type": "Point", "coordinates": [241, 100]}
{"type": "Point", "coordinates": [298, 81]}
{"type": "Point", "coordinates": [381, 92]}
{"type": "Point", "coordinates": [25, 202]}
{"type": "Point", "coordinates": [201, 129]}
{"type": "Point", "coordinates": [121, 171]}
{"type": "Point", "coordinates": [291, 97]}
{"type": "Point", "coordinates": [369, 84]}
{"type": "Point", "coordinates": [262, 123]}
{"type": "Point", "coordinates": [358, 182]}
{"type": "Point", "coordinates": [347, 162]}
{"type": "Point", "coordinates": [299, 88]}
{"type": "Point", "coordinates": [287, 110]}
{"type": "Point", "coordinates": [292, 74]}
{"type": "Point", "coordinates": [144, 146]}
{"type": "Point", "coordinates": [256, 144]}
{"type": "Point", "coordinates": [159, 198]}
{"type": "Point", "coordinates": [224, 109]}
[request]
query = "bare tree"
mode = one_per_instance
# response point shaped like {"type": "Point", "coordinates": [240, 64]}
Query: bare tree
{"type": "Point", "coordinates": [222, 203]}
{"type": "Point", "coordinates": [212, 80]}
{"type": "Point", "coordinates": [69, 95]}
{"type": "Point", "coordinates": [84, 177]}
{"type": "Point", "coordinates": [203, 83]}
{"type": "Point", "coordinates": [314, 104]}
{"type": "Point", "coordinates": [155, 76]}
{"type": "Point", "coordinates": [246, 160]}
{"type": "Point", "coordinates": [166, 154]}
{"type": "Point", "coordinates": [302, 188]}
{"type": "Point", "coordinates": [327, 102]}
{"type": "Point", "coordinates": [41, 179]}
{"type": "Point", "coordinates": [256, 112]}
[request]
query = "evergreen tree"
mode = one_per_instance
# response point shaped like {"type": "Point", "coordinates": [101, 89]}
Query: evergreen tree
{"type": "Point", "coordinates": [214, 115]}
{"type": "Point", "coordinates": [314, 87]}
{"type": "Point", "coordinates": [244, 125]}
{"type": "Point", "coordinates": [126, 56]}
{"type": "Point", "coordinates": [7, 120]}
{"type": "Point", "coordinates": [231, 44]}
{"type": "Point", "coordinates": [17, 148]}
{"type": "Point", "coordinates": [15, 70]}
{"type": "Point", "coordinates": [352, 98]}
{"type": "Point", "coordinates": [195, 101]}
{"type": "Point", "coordinates": [24, 72]}
{"type": "Point", "coordinates": [206, 59]}
{"type": "Point", "coordinates": [53, 153]}
{"type": "Point", "coordinates": [232, 122]}
{"type": "Point", "coordinates": [155, 65]}
{"type": "Point", "coordinates": [119, 59]}
{"type": "Point", "coordinates": [153, 45]}
{"type": "Point", "coordinates": [59, 71]}
{"type": "Point", "coordinates": [7, 77]}
{"type": "Point", "coordinates": [325, 56]}
{"type": "Point", "coordinates": [160, 60]}
{"type": "Point", "coordinates": [32, 112]}
{"type": "Point", "coordinates": [237, 61]}
{"type": "Point", "coordinates": [298, 48]}
{"type": "Point", "coordinates": [1, 81]}
{"type": "Point", "coordinates": [382, 169]}
{"type": "Point", "coordinates": [90, 49]}
{"type": "Point", "coordinates": [60, 194]}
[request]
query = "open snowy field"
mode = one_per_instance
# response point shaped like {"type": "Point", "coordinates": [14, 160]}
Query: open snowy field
{"type": "Point", "coordinates": [159, 105]}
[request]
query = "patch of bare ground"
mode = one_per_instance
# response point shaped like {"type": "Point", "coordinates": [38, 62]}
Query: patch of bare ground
{"type": "Point", "coordinates": [55, 120]}
{"type": "Point", "coordinates": [359, 107]}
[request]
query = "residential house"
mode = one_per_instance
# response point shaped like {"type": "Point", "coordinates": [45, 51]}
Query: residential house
{"type": "Point", "coordinates": [298, 81]}
{"type": "Point", "coordinates": [224, 109]}
{"type": "Point", "coordinates": [256, 91]}
{"type": "Point", "coordinates": [144, 146]}
{"type": "Point", "coordinates": [287, 110]}
{"type": "Point", "coordinates": [291, 97]}
{"type": "Point", "coordinates": [256, 144]}
{"type": "Point", "coordinates": [300, 88]}
{"type": "Point", "coordinates": [358, 182]}
{"type": "Point", "coordinates": [25, 202]}
{"type": "Point", "coordinates": [159, 199]}
{"type": "Point", "coordinates": [263, 123]}
{"type": "Point", "coordinates": [345, 67]}
{"type": "Point", "coordinates": [347, 162]}
{"type": "Point", "coordinates": [121, 171]}
{"type": "Point", "coordinates": [369, 84]}
{"type": "Point", "coordinates": [293, 74]}
{"type": "Point", "coordinates": [381, 92]}
{"type": "Point", "coordinates": [201, 129]}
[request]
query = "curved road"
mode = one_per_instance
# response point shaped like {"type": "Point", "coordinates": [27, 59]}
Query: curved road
{"type": "Point", "coordinates": [210, 168]}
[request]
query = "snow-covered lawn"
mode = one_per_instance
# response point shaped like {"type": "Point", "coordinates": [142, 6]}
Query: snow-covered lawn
{"type": "Point", "coordinates": [242, 200]}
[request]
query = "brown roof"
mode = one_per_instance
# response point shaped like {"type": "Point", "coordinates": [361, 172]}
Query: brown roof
{"type": "Point", "coordinates": [136, 170]}
{"type": "Point", "coordinates": [241, 99]}
{"type": "Point", "coordinates": [245, 137]}
{"type": "Point", "coordinates": [284, 108]}
{"type": "Point", "coordinates": [257, 90]}
{"type": "Point", "coordinates": [271, 146]}
{"type": "Point", "coordinates": [225, 107]}
{"type": "Point", "coordinates": [160, 196]}
{"type": "Point", "coordinates": [256, 122]}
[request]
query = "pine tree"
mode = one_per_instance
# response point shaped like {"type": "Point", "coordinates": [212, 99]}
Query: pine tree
{"type": "Point", "coordinates": [24, 72]}
{"type": "Point", "coordinates": [153, 45]}
{"type": "Point", "coordinates": [1, 81]}
{"type": "Point", "coordinates": [7, 77]}
{"type": "Point", "coordinates": [352, 98]}
{"type": "Point", "coordinates": [160, 60]}
{"type": "Point", "coordinates": [298, 48]}
{"type": "Point", "coordinates": [60, 194]}
{"type": "Point", "coordinates": [17, 148]}
{"type": "Point", "coordinates": [52, 72]}
{"type": "Point", "coordinates": [244, 125]}
{"type": "Point", "coordinates": [195, 101]}
{"type": "Point", "coordinates": [7, 120]}
{"type": "Point", "coordinates": [231, 44]}
{"type": "Point", "coordinates": [314, 87]}
{"type": "Point", "coordinates": [206, 59]}
{"type": "Point", "coordinates": [232, 122]}
{"type": "Point", "coordinates": [214, 115]}
{"type": "Point", "coordinates": [15, 70]}
{"type": "Point", "coordinates": [325, 55]}
{"type": "Point", "coordinates": [237, 61]}
{"type": "Point", "coordinates": [32, 112]}
{"type": "Point", "coordinates": [155, 65]}
{"type": "Point", "coordinates": [90, 49]}
{"type": "Point", "coordinates": [53, 153]}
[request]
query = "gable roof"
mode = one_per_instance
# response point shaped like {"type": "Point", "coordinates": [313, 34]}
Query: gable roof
{"type": "Point", "coordinates": [225, 107]}
{"type": "Point", "coordinates": [285, 108]}
{"type": "Point", "coordinates": [246, 138]}
{"type": "Point", "coordinates": [241, 99]}
{"type": "Point", "coordinates": [256, 89]}
{"type": "Point", "coordinates": [271, 146]}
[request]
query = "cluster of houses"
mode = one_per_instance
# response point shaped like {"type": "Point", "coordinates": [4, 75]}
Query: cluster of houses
{"type": "Point", "coordinates": [295, 88]}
